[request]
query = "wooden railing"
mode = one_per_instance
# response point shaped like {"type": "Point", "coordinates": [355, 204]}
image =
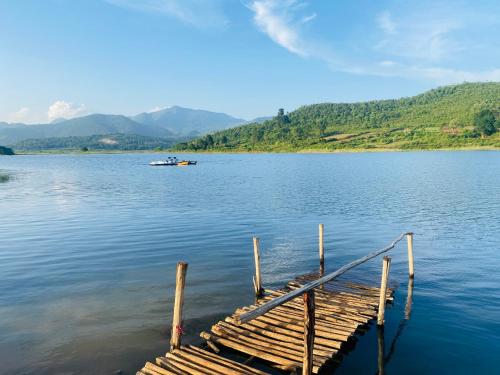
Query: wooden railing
{"type": "Point", "coordinates": [307, 291]}
{"type": "Point", "coordinates": [261, 310]}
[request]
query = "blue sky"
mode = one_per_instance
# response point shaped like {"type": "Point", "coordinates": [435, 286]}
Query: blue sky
{"type": "Point", "coordinates": [66, 58]}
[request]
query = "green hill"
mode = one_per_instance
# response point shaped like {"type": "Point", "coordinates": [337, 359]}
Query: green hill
{"type": "Point", "coordinates": [440, 118]}
{"type": "Point", "coordinates": [6, 151]}
{"type": "Point", "coordinates": [122, 142]}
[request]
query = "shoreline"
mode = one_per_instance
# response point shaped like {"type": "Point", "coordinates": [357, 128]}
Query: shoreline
{"type": "Point", "coordinates": [304, 151]}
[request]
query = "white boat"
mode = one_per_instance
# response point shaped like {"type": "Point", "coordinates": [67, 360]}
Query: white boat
{"type": "Point", "coordinates": [170, 161]}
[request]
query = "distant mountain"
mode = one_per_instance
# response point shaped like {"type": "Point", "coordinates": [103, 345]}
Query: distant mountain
{"type": "Point", "coordinates": [186, 121]}
{"type": "Point", "coordinates": [445, 117]}
{"type": "Point", "coordinates": [58, 120]}
{"type": "Point", "coordinates": [174, 122]}
{"type": "Point", "coordinates": [96, 124]}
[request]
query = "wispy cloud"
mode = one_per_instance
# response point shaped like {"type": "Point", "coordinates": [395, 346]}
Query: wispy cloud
{"type": "Point", "coordinates": [385, 22]}
{"type": "Point", "coordinates": [413, 46]}
{"type": "Point", "coordinates": [198, 13]}
{"type": "Point", "coordinates": [421, 36]}
{"type": "Point", "coordinates": [278, 19]}
{"type": "Point", "coordinates": [21, 115]}
{"type": "Point", "coordinates": [67, 110]}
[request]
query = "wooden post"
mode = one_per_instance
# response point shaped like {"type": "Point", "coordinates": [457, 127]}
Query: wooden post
{"type": "Point", "coordinates": [258, 278]}
{"type": "Point", "coordinates": [386, 263]}
{"type": "Point", "coordinates": [180, 281]}
{"type": "Point", "coordinates": [309, 319]}
{"type": "Point", "coordinates": [409, 237]}
{"type": "Point", "coordinates": [321, 250]}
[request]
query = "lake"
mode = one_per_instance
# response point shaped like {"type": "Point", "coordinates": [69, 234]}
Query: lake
{"type": "Point", "coordinates": [89, 244]}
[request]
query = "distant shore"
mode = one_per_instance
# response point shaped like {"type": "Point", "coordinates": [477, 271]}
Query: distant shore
{"type": "Point", "coordinates": [305, 151]}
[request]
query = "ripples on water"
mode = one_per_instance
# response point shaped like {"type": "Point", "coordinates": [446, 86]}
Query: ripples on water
{"type": "Point", "coordinates": [89, 245]}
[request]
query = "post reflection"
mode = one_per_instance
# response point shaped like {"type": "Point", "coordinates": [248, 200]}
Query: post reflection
{"type": "Point", "coordinates": [381, 349]}
{"type": "Point", "coordinates": [409, 298]}
{"type": "Point", "coordinates": [383, 360]}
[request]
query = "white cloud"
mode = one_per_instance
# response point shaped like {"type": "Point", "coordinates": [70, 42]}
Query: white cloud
{"type": "Point", "coordinates": [198, 13]}
{"type": "Point", "coordinates": [61, 108]}
{"type": "Point", "coordinates": [445, 76]}
{"type": "Point", "coordinates": [415, 46]}
{"type": "Point", "coordinates": [276, 19]}
{"type": "Point", "coordinates": [309, 18]}
{"type": "Point", "coordinates": [156, 109]}
{"type": "Point", "coordinates": [387, 63]}
{"type": "Point", "coordinates": [385, 22]}
{"type": "Point", "coordinates": [21, 115]}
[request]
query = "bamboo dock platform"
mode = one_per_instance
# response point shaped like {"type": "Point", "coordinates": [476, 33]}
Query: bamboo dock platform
{"type": "Point", "coordinates": [301, 328]}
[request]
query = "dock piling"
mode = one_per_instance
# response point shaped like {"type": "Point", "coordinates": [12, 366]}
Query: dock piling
{"type": "Point", "coordinates": [309, 321]}
{"type": "Point", "coordinates": [180, 281]}
{"type": "Point", "coordinates": [321, 249]}
{"type": "Point", "coordinates": [258, 277]}
{"type": "Point", "coordinates": [409, 238]}
{"type": "Point", "coordinates": [386, 264]}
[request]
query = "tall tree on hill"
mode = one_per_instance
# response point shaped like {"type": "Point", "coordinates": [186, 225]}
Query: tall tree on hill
{"type": "Point", "coordinates": [281, 117]}
{"type": "Point", "coordinates": [485, 122]}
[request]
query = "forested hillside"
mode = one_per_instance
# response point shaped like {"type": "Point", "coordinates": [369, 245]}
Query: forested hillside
{"type": "Point", "coordinates": [445, 117]}
{"type": "Point", "coordinates": [123, 142]}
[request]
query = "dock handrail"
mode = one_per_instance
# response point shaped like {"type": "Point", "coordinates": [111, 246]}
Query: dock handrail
{"type": "Point", "coordinates": [264, 308]}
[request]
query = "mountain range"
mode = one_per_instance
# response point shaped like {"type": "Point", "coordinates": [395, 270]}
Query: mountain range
{"type": "Point", "coordinates": [174, 122]}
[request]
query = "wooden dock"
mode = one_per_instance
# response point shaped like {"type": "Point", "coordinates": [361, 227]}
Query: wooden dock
{"type": "Point", "coordinates": [301, 328]}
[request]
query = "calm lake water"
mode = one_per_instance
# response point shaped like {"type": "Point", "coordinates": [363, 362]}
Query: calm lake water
{"type": "Point", "coordinates": [89, 243]}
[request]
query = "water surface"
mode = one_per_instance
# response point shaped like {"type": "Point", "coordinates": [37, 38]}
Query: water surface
{"type": "Point", "coordinates": [89, 243]}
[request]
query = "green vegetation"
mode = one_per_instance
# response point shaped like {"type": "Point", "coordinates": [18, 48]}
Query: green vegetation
{"type": "Point", "coordinates": [122, 142]}
{"type": "Point", "coordinates": [6, 151]}
{"type": "Point", "coordinates": [485, 122]}
{"type": "Point", "coordinates": [446, 117]}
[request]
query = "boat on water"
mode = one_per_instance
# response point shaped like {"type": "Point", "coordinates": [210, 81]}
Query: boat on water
{"type": "Point", "coordinates": [172, 161]}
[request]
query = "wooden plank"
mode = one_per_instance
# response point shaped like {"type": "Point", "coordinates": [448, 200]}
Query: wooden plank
{"type": "Point", "coordinates": [274, 348]}
{"type": "Point", "coordinates": [325, 344]}
{"type": "Point", "coordinates": [250, 350]}
{"type": "Point", "coordinates": [224, 361]}
{"type": "Point", "coordinates": [283, 341]}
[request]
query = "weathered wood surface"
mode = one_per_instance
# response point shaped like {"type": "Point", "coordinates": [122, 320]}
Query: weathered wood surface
{"type": "Point", "coordinates": [196, 361]}
{"type": "Point", "coordinates": [180, 282]}
{"type": "Point", "coordinates": [386, 265]}
{"type": "Point", "coordinates": [277, 337]}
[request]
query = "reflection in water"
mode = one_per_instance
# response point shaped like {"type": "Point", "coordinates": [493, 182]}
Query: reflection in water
{"type": "Point", "coordinates": [382, 359]}
{"type": "Point", "coordinates": [409, 298]}
{"type": "Point", "coordinates": [4, 177]}
{"type": "Point", "coordinates": [381, 349]}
